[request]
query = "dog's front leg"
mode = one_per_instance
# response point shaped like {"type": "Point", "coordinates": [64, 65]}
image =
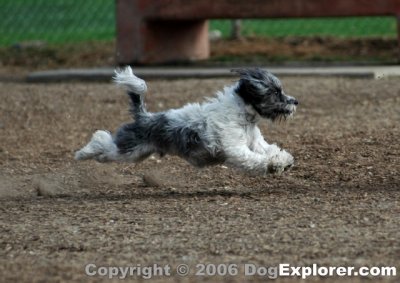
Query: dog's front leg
{"type": "Point", "coordinates": [272, 160]}
{"type": "Point", "coordinates": [240, 156]}
{"type": "Point", "coordinates": [280, 159]}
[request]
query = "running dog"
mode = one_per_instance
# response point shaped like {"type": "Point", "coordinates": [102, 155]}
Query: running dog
{"type": "Point", "coordinates": [222, 130]}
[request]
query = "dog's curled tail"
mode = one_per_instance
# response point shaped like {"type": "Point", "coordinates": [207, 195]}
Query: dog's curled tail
{"type": "Point", "coordinates": [135, 86]}
{"type": "Point", "coordinates": [101, 147]}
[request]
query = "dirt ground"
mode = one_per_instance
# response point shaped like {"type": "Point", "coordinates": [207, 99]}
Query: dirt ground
{"type": "Point", "coordinates": [306, 49]}
{"type": "Point", "coordinates": [339, 205]}
{"type": "Point", "coordinates": [30, 56]}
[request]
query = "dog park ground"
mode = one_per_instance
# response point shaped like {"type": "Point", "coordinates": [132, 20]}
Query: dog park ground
{"type": "Point", "coordinates": [339, 205]}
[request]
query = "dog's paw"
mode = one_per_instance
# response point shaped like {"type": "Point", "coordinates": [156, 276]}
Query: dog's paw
{"type": "Point", "coordinates": [281, 162]}
{"type": "Point", "coordinates": [100, 147]}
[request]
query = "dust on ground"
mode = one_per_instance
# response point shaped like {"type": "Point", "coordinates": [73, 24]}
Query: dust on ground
{"type": "Point", "coordinates": [339, 205]}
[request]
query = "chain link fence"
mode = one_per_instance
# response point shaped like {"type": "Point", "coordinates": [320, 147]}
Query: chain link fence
{"type": "Point", "coordinates": [56, 21]}
{"type": "Point", "coordinates": [68, 21]}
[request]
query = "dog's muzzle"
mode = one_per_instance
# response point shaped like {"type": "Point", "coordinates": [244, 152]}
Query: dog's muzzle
{"type": "Point", "coordinates": [291, 105]}
{"type": "Point", "coordinates": [291, 108]}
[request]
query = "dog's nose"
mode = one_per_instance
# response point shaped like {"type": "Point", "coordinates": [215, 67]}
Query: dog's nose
{"type": "Point", "coordinates": [293, 101]}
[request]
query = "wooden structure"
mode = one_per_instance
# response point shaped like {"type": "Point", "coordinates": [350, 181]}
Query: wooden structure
{"type": "Point", "coordinates": [165, 31]}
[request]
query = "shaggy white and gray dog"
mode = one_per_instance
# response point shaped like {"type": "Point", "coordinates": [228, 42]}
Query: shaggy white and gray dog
{"type": "Point", "coordinates": [222, 130]}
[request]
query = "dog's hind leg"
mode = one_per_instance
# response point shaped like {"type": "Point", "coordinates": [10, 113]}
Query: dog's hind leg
{"type": "Point", "coordinates": [101, 147]}
{"type": "Point", "coordinates": [127, 144]}
{"type": "Point", "coordinates": [132, 143]}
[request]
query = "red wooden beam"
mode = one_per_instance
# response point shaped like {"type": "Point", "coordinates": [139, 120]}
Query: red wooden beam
{"type": "Point", "coordinates": [219, 9]}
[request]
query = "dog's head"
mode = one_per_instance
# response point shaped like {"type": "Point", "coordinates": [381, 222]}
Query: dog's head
{"type": "Point", "coordinates": [263, 91]}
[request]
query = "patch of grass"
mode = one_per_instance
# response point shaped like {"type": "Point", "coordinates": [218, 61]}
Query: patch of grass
{"type": "Point", "coordinates": [350, 27]}
{"type": "Point", "coordinates": [56, 21]}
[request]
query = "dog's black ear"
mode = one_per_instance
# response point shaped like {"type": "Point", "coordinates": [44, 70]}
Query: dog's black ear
{"type": "Point", "coordinates": [252, 84]}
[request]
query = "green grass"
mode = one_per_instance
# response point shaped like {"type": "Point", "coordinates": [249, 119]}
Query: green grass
{"type": "Point", "coordinates": [56, 21]}
{"type": "Point", "coordinates": [62, 21]}
{"type": "Point", "coordinates": [350, 27]}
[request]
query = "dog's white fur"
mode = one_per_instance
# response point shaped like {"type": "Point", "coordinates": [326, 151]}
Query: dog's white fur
{"type": "Point", "coordinates": [225, 122]}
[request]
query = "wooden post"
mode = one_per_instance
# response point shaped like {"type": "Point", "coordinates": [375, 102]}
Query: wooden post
{"type": "Point", "coordinates": [174, 41]}
{"type": "Point", "coordinates": [398, 37]}
{"type": "Point", "coordinates": [236, 29]}
{"type": "Point", "coordinates": [144, 40]}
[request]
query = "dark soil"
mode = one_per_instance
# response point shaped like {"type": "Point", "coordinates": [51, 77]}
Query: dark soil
{"type": "Point", "coordinates": [339, 205]}
{"type": "Point", "coordinates": [306, 49]}
{"type": "Point", "coordinates": [26, 57]}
